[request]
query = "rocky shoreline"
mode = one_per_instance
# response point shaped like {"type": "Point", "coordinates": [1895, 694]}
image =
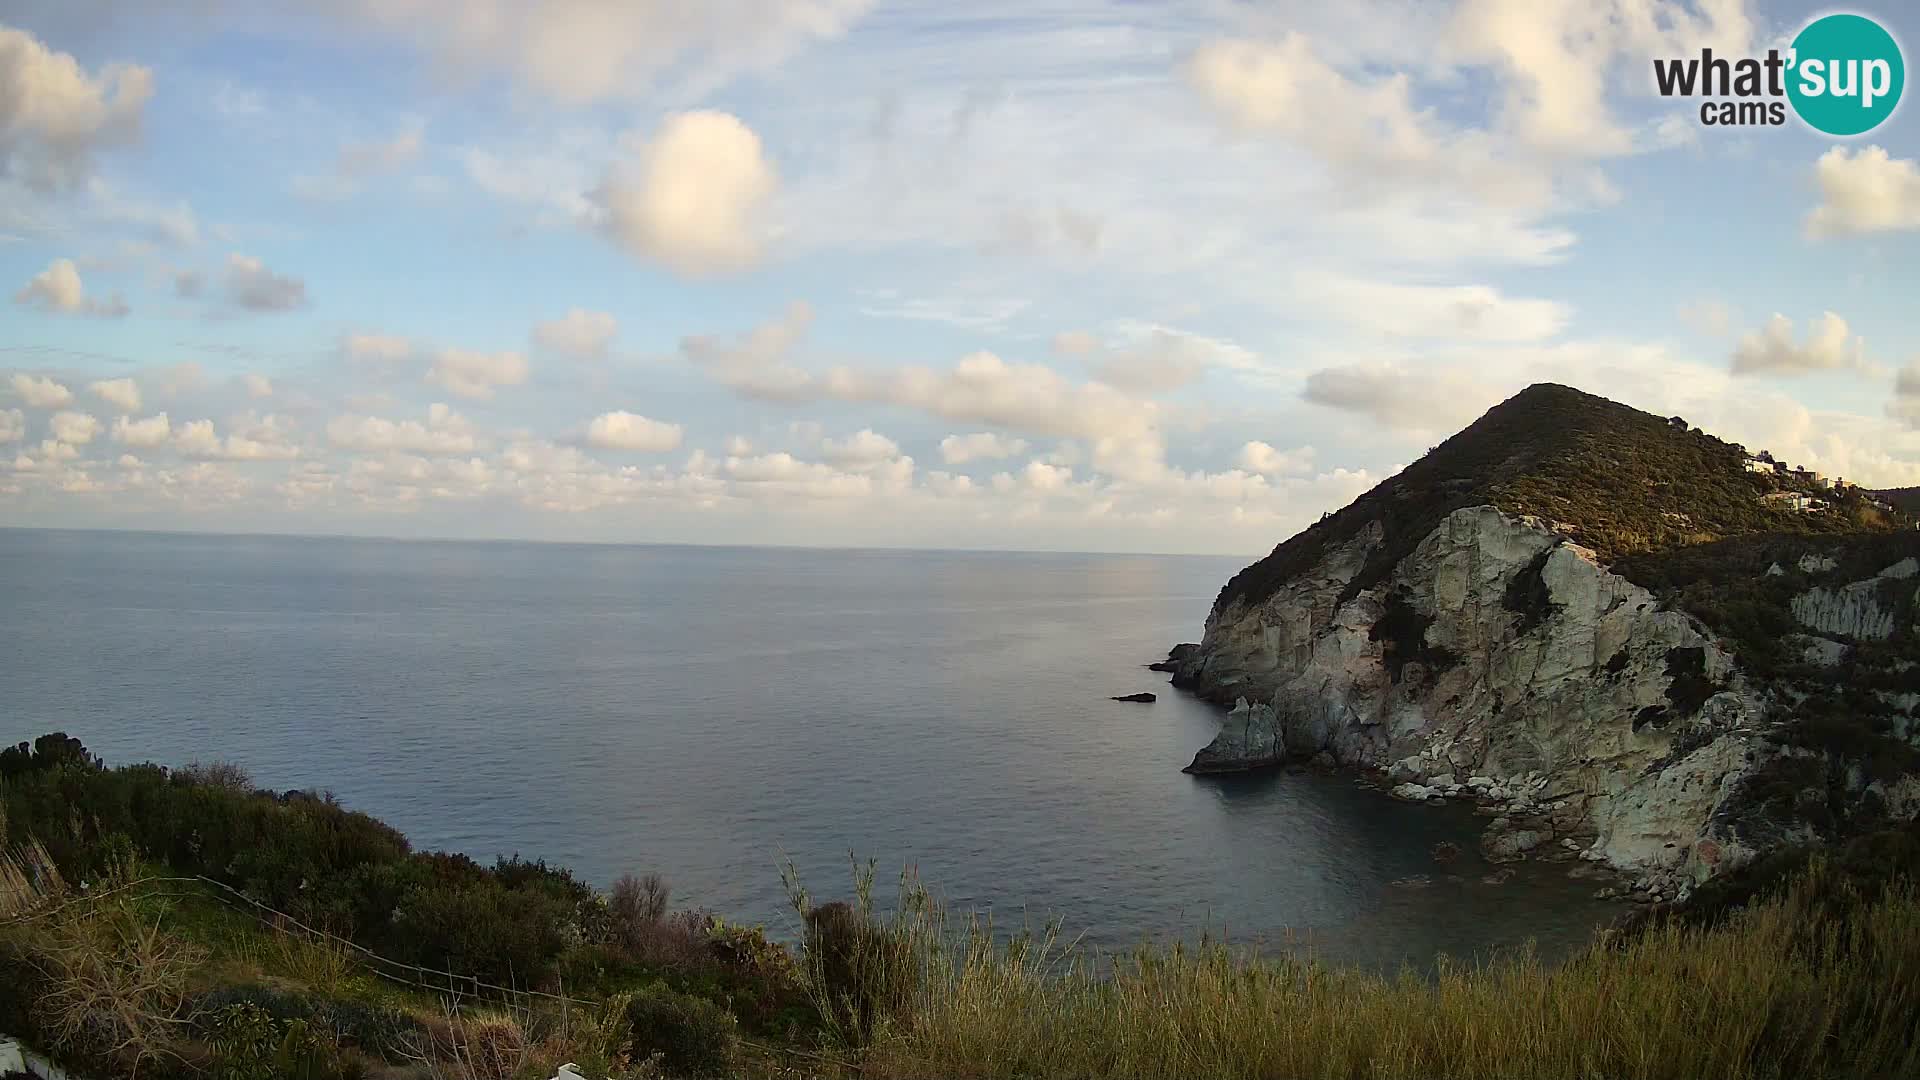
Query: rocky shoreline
{"type": "Point", "coordinates": [1529, 820]}
{"type": "Point", "coordinates": [1501, 663]}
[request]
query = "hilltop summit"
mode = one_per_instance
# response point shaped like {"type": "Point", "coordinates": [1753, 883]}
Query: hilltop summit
{"type": "Point", "coordinates": [1616, 480]}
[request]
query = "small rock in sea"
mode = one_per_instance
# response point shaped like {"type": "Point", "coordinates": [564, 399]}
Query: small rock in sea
{"type": "Point", "coordinates": [1498, 877]}
{"type": "Point", "coordinates": [1324, 760]}
{"type": "Point", "coordinates": [1413, 881]}
{"type": "Point", "coordinates": [1570, 844]}
{"type": "Point", "coordinates": [1445, 852]}
{"type": "Point", "coordinates": [1137, 697]}
{"type": "Point", "coordinates": [1606, 893]}
{"type": "Point", "coordinates": [1413, 792]}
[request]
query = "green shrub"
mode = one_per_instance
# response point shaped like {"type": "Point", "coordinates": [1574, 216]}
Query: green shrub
{"type": "Point", "coordinates": [498, 935]}
{"type": "Point", "coordinates": [248, 1043]}
{"type": "Point", "coordinates": [380, 1030]}
{"type": "Point", "coordinates": [300, 853]}
{"type": "Point", "coordinates": [693, 1037]}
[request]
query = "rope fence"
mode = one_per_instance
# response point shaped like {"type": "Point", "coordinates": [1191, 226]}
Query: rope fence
{"type": "Point", "coordinates": [278, 921]}
{"type": "Point", "coordinates": [450, 983]}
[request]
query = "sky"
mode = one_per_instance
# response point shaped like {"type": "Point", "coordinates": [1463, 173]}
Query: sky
{"type": "Point", "coordinates": [1094, 275]}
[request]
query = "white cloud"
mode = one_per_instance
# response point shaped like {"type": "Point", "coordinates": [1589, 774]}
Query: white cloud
{"type": "Point", "coordinates": [54, 115]}
{"type": "Point", "coordinates": [1458, 312]}
{"type": "Point", "coordinates": [1400, 398]}
{"type": "Point", "coordinates": [948, 485]}
{"type": "Point", "coordinates": [981, 388]}
{"type": "Point", "coordinates": [476, 375]}
{"type": "Point", "coordinates": [152, 431]}
{"type": "Point", "coordinates": [56, 450]}
{"type": "Point", "coordinates": [382, 347]}
{"type": "Point", "coordinates": [443, 432]}
{"type": "Point", "coordinates": [358, 159]}
{"type": "Point", "coordinates": [1555, 61]}
{"type": "Point", "coordinates": [257, 386]}
{"type": "Point", "coordinates": [590, 50]}
{"type": "Point", "coordinates": [1772, 350]}
{"type": "Point", "coordinates": [965, 312]}
{"type": "Point", "coordinates": [1262, 458]}
{"type": "Point", "coordinates": [556, 174]}
{"type": "Point", "coordinates": [73, 428]}
{"type": "Point", "coordinates": [13, 425]}
{"type": "Point", "coordinates": [1159, 359]}
{"type": "Point", "coordinates": [783, 474]}
{"type": "Point", "coordinates": [1285, 86]}
{"type": "Point", "coordinates": [580, 333]}
{"type": "Point", "coordinates": [980, 446]}
{"type": "Point", "coordinates": [40, 391]}
{"type": "Point", "coordinates": [1075, 343]}
{"type": "Point", "coordinates": [863, 449]}
{"type": "Point", "coordinates": [173, 225]}
{"type": "Point", "coordinates": [1863, 192]}
{"type": "Point", "coordinates": [1040, 476]}
{"type": "Point", "coordinates": [692, 196]}
{"type": "Point", "coordinates": [58, 288]}
{"type": "Point", "coordinates": [1709, 316]}
{"type": "Point", "coordinates": [762, 348]}
{"type": "Point", "coordinates": [621, 430]}
{"type": "Point", "coordinates": [251, 285]}
{"type": "Point", "coordinates": [1368, 129]}
{"type": "Point", "coordinates": [122, 394]}
{"type": "Point", "coordinates": [263, 442]}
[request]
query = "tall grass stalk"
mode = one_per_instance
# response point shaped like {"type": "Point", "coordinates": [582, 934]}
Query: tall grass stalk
{"type": "Point", "coordinates": [28, 880]}
{"type": "Point", "coordinates": [1819, 982]}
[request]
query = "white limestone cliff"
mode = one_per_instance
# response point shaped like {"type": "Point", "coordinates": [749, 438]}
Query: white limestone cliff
{"type": "Point", "coordinates": [1570, 712]}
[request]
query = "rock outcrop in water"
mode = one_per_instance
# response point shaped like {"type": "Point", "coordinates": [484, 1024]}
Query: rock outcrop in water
{"type": "Point", "coordinates": [1596, 619]}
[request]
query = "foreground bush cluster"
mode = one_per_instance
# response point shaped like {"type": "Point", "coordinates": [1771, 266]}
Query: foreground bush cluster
{"type": "Point", "coordinates": [1813, 970]}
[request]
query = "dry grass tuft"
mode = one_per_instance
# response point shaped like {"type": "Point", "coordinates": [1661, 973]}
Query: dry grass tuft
{"type": "Point", "coordinates": [29, 881]}
{"type": "Point", "coordinates": [112, 986]}
{"type": "Point", "coordinates": [324, 964]}
{"type": "Point", "coordinates": [1789, 988]}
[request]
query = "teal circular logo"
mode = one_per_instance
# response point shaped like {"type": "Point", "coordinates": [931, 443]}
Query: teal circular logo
{"type": "Point", "coordinates": [1846, 74]}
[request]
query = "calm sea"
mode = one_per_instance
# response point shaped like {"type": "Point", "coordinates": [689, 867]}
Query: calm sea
{"type": "Point", "coordinates": [704, 712]}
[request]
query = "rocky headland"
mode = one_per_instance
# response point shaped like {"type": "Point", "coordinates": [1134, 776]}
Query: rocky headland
{"type": "Point", "coordinates": [1610, 629]}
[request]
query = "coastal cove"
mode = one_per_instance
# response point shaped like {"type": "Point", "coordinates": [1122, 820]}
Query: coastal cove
{"type": "Point", "coordinates": [703, 712]}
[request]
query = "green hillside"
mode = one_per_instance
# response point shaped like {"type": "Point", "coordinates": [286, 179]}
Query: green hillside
{"type": "Point", "coordinates": [1610, 477]}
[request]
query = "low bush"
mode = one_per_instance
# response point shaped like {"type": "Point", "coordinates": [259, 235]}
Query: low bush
{"type": "Point", "coordinates": [245, 1042]}
{"type": "Point", "coordinates": [692, 1036]}
{"type": "Point", "coordinates": [300, 853]}
{"type": "Point", "coordinates": [380, 1030]}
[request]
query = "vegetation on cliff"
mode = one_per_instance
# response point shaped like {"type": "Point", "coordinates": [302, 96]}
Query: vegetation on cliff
{"type": "Point", "coordinates": [155, 965]}
{"type": "Point", "coordinates": [1610, 477]}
